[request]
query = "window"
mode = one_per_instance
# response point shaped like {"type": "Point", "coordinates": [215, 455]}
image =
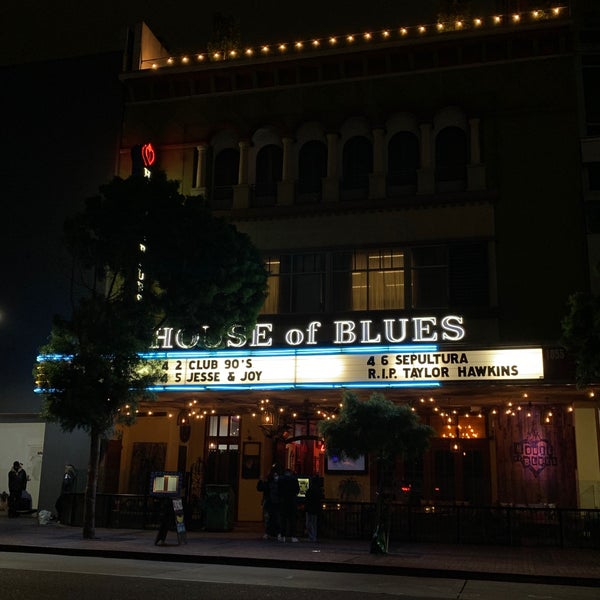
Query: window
{"type": "Point", "coordinates": [296, 284]}
{"type": "Point", "coordinates": [271, 305]}
{"type": "Point", "coordinates": [226, 168]}
{"type": "Point", "coordinates": [403, 161]}
{"type": "Point", "coordinates": [440, 276]}
{"type": "Point", "coordinates": [375, 280]}
{"type": "Point", "coordinates": [269, 166]}
{"type": "Point", "coordinates": [312, 168]}
{"type": "Point", "coordinates": [357, 165]}
{"type": "Point", "coordinates": [451, 159]}
{"type": "Point", "coordinates": [429, 277]}
{"type": "Point", "coordinates": [450, 276]}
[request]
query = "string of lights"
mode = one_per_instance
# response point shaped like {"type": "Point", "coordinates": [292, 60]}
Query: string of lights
{"type": "Point", "coordinates": [353, 39]}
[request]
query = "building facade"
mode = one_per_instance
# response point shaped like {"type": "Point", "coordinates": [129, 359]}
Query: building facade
{"type": "Point", "coordinates": [424, 198]}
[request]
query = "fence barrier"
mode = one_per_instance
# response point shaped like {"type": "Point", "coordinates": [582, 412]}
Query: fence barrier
{"type": "Point", "coordinates": [453, 524]}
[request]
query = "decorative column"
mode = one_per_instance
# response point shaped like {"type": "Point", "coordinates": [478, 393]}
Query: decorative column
{"type": "Point", "coordinates": [200, 174]}
{"type": "Point", "coordinates": [241, 191]}
{"type": "Point", "coordinates": [285, 188]}
{"type": "Point", "coordinates": [426, 174]}
{"type": "Point", "coordinates": [331, 183]}
{"type": "Point", "coordinates": [475, 170]}
{"type": "Point", "coordinates": [377, 187]}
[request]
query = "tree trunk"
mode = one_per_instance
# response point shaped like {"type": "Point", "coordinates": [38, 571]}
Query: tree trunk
{"type": "Point", "coordinates": [380, 539]}
{"type": "Point", "coordinates": [89, 507]}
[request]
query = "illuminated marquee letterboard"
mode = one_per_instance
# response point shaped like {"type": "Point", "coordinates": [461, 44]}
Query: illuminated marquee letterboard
{"type": "Point", "coordinates": [375, 366]}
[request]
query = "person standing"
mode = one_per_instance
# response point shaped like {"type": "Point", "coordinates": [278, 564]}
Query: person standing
{"type": "Point", "coordinates": [288, 497]}
{"type": "Point", "coordinates": [17, 484]}
{"type": "Point", "coordinates": [272, 503]}
{"type": "Point", "coordinates": [312, 506]}
{"type": "Point", "coordinates": [67, 487]}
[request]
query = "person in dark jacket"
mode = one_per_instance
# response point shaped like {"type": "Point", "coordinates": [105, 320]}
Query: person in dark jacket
{"type": "Point", "coordinates": [17, 483]}
{"type": "Point", "coordinates": [313, 504]}
{"type": "Point", "coordinates": [288, 497]}
{"type": "Point", "coordinates": [67, 487]}
{"type": "Point", "coordinates": [270, 502]}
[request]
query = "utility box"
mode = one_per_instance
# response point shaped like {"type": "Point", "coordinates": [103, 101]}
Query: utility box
{"type": "Point", "coordinates": [219, 507]}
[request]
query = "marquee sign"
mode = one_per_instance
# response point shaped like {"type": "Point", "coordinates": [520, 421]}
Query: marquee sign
{"type": "Point", "coordinates": [357, 366]}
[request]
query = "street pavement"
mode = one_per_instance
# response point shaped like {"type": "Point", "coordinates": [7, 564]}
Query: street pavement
{"type": "Point", "coordinates": [244, 546]}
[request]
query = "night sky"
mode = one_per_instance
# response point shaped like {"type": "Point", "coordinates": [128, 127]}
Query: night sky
{"type": "Point", "coordinates": [41, 29]}
{"type": "Point", "coordinates": [60, 129]}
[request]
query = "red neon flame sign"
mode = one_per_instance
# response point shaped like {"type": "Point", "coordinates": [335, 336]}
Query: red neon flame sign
{"type": "Point", "coordinates": [148, 155]}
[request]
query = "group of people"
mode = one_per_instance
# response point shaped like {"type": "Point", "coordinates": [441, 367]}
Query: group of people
{"type": "Point", "coordinates": [19, 500]}
{"type": "Point", "coordinates": [280, 504]}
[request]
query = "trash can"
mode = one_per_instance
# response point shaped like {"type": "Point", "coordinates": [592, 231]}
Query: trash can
{"type": "Point", "coordinates": [219, 507]}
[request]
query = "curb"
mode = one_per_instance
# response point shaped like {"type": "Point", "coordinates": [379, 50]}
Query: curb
{"type": "Point", "coordinates": [312, 566]}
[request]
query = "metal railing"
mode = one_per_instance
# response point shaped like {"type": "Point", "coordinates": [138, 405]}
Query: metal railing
{"type": "Point", "coordinates": [452, 524]}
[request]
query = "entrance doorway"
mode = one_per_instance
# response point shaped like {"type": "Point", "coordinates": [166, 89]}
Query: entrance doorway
{"type": "Point", "coordinates": [222, 450]}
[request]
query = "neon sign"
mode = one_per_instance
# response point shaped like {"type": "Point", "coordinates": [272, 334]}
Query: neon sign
{"type": "Point", "coordinates": [148, 155]}
{"type": "Point", "coordinates": [343, 332]}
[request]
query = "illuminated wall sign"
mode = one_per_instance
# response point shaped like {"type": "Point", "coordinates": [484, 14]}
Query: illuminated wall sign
{"type": "Point", "coordinates": [143, 158]}
{"type": "Point", "coordinates": [148, 158]}
{"type": "Point", "coordinates": [355, 366]}
{"type": "Point", "coordinates": [342, 332]}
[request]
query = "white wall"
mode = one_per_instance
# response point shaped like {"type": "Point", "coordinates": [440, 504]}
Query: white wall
{"type": "Point", "coordinates": [23, 442]}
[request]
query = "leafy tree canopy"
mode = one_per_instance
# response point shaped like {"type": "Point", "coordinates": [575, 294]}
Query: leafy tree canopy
{"type": "Point", "coordinates": [581, 336]}
{"type": "Point", "coordinates": [143, 255]}
{"type": "Point", "coordinates": [376, 426]}
{"type": "Point", "coordinates": [385, 430]}
{"type": "Point", "coordinates": [198, 270]}
{"type": "Point", "coordinates": [98, 371]}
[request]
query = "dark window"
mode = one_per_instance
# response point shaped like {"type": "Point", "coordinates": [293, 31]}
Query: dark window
{"type": "Point", "coordinates": [357, 165]}
{"type": "Point", "coordinates": [455, 276]}
{"type": "Point", "coordinates": [269, 164]}
{"type": "Point", "coordinates": [225, 177]}
{"type": "Point", "coordinates": [403, 162]}
{"type": "Point", "coordinates": [593, 170]}
{"type": "Point", "coordinates": [429, 277]}
{"type": "Point", "coordinates": [296, 284]}
{"type": "Point", "coordinates": [451, 159]}
{"type": "Point", "coordinates": [468, 279]}
{"type": "Point", "coordinates": [312, 168]}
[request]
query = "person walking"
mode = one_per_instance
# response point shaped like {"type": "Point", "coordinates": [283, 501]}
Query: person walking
{"type": "Point", "coordinates": [288, 497]}
{"type": "Point", "coordinates": [17, 484]}
{"type": "Point", "coordinates": [313, 504]}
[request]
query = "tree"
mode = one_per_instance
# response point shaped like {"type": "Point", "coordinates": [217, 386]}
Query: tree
{"type": "Point", "coordinates": [143, 255]}
{"type": "Point", "coordinates": [386, 431]}
{"type": "Point", "coordinates": [581, 336]}
{"type": "Point", "coordinates": [225, 40]}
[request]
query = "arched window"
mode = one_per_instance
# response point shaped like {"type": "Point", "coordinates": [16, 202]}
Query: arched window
{"type": "Point", "coordinates": [225, 176]}
{"type": "Point", "coordinates": [312, 168]}
{"type": "Point", "coordinates": [269, 165]}
{"type": "Point", "coordinates": [403, 162]}
{"type": "Point", "coordinates": [357, 165]}
{"type": "Point", "coordinates": [451, 159]}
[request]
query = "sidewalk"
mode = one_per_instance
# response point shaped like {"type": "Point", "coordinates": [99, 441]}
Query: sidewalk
{"type": "Point", "coordinates": [570, 566]}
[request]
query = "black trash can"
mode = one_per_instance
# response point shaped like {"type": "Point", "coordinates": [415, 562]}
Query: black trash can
{"type": "Point", "coordinates": [219, 507]}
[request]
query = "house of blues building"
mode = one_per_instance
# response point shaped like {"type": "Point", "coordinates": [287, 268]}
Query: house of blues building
{"type": "Point", "coordinates": [424, 197]}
